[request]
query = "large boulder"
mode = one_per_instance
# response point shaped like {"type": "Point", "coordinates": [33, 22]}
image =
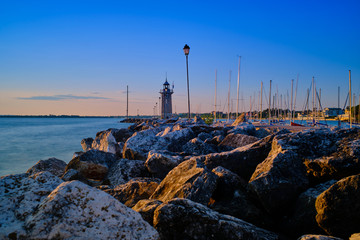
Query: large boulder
{"type": "Point", "coordinates": [185, 219]}
{"type": "Point", "coordinates": [86, 143]}
{"type": "Point", "coordinates": [93, 164]}
{"type": "Point", "coordinates": [278, 181]}
{"type": "Point", "coordinates": [196, 146]}
{"type": "Point", "coordinates": [52, 165]}
{"type": "Point", "coordinates": [303, 219]}
{"type": "Point", "coordinates": [161, 138]}
{"type": "Point", "coordinates": [240, 119]}
{"type": "Point", "coordinates": [341, 163]}
{"type": "Point", "coordinates": [230, 197]}
{"type": "Point", "coordinates": [134, 190]}
{"type": "Point", "coordinates": [191, 180]}
{"type": "Point", "coordinates": [242, 160]}
{"type": "Point", "coordinates": [237, 140]}
{"type": "Point", "coordinates": [146, 208]}
{"type": "Point", "coordinates": [20, 194]}
{"type": "Point", "coordinates": [160, 162]}
{"type": "Point", "coordinates": [338, 208]}
{"type": "Point", "coordinates": [76, 211]}
{"type": "Point", "coordinates": [124, 170]}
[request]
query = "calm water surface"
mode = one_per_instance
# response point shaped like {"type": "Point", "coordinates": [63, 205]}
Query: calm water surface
{"type": "Point", "coordinates": [24, 141]}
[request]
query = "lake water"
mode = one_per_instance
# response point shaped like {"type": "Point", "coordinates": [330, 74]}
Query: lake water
{"type": "Point", "coordinates": [24, 141]}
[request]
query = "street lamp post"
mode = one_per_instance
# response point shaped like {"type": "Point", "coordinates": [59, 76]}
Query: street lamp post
{"type": "Point", "coordinates": [186, 51]}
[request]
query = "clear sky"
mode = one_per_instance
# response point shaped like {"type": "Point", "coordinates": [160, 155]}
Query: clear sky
{"type": "Point", "coordinates": [76, 57]}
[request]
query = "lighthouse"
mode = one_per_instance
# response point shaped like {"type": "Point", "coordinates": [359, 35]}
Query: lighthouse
{"type": "Point", "coordinates": [166, 103]}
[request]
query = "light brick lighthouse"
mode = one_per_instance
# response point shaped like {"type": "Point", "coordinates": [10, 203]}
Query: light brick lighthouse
{"type": "Point", "coordinates": [166, 103]}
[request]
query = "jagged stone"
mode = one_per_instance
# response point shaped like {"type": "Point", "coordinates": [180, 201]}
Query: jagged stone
{"type": "Point", "coordinates": [146, 208]}
{"type": "Point", "coordinates": [76, 211]}
{"type": "Point", "coordinates": [338, 208]}
{"type": "Point", "coordinates": [239, 119]}
{"type": "Point", "coordinates": [241, 161]}
{"type": "Point", "coordinates": [20, 194]}
{"type": "Point", "coordinates": [134, 190]}
{"type": "Point", "coordinates": [303, 220]}
{"type": "Point", "coordinates": [159, 163]}
{"type": "Point", "coordinates": [191, 180]}
{"type": "Point", "coordinates": [86, 143]}
{"type": "Point", "coordinates": [92, 164]}
{"type": "Point", "coordinates": [52, 165]}
{"type": "Point", "coordinates": [197, 147]}
{"type": "Point", "coordinates": [237, 140]}
{"type": "Point", "coordinates": [185, 219]}
{"type": "Point", "coordinates": [124, 170]}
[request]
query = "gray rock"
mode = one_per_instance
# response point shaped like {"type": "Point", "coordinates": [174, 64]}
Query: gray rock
{"type": "Point", "coordinates": [338, 208]}
{"type": "Point", "coordinates": [52, 165]}
{"type": "Point", "coordinates": [278, 181]}
{"type": "Point", "coordinates": [134, 190]}
{"type": "Point", "coordinates": [147, 208]}
{"type": "Point", "coordinates": [230, 197]}
{"type": "Point", "coordinates": [241, 161]}
{"type": "Point", "coordinates": [191, 180]}
{"type": "Point", "coordinates": [92, 164]}
{"type": "Point", "coordinates": [76, 211]}
{"type": "Point", "coordinates": [86, 143]}
{"type": "Point", "coordinates": [184, 219]}
{"type": "Point", "coordinates": [124, 170]}
{"type": "Point", "coordinates": [240, 119]}
{"type": "Point", "coordinates": [197, 147]}
{"type": "Point", "coordinates": [160, 162]}
{"type": "Point", "coordinates": [303, 220]}
{"type": "Point", "coordinates": [20, 194]}
{"type": "Point", "coordinates": [237, 140]}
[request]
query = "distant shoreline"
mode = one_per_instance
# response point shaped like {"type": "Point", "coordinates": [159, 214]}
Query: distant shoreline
{"type": "Point", "coordinates": [67, 116]}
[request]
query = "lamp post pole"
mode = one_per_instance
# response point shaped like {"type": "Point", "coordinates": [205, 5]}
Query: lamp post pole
{"type": "Point", "coordinates": [186, 51]}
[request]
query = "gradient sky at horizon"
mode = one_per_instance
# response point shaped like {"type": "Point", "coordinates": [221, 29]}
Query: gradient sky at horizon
{"type": "Point", "coordinates": [77, 57]}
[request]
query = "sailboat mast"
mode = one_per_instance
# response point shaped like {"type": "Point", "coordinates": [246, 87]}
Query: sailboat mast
{"type": "Point", "coordinates": [297, 80]}
{"type": "Point", "coordinates": [229, 96]}
{"type": "Point", "coordinates": [350, 119]}
{"type": "Point", "coordinates": [127, 101]}
{"type": "Point", "coordinates": [270, 103]}
{"type": "Point", "coordinates": [313, 99]}
{"type": "Point", "coordinates": [215, 95]}
{"type": "Point", "coordinates": [261, 100]}
{"type": "Point", "coordinates": [291, 107]}
{"type": "Point", "coordinates": [238, 87]}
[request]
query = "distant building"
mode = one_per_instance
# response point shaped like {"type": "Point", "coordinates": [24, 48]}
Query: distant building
{"type": "Point", "coordinates": [333, 112]}
{"type": "Point", "coordinates": [166, 102]}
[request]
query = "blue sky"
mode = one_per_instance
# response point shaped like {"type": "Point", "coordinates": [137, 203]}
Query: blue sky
{"type": "Point", "coordinates": [76, 57]}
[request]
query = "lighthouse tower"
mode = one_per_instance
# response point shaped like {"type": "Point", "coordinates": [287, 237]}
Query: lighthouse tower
{"type": "Point", "coordinates": [166, 103]}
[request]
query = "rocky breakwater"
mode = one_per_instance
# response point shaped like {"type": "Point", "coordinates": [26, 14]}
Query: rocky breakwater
{"type": "Point", "coordinates": [181, 179]}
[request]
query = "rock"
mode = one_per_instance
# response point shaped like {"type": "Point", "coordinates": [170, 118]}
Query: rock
{"type": "Point", "coordinates": [124, 170]}
{"type": "Point", "coordinates": [191, 180]}
{"type": "Point", "coordinates": [75, 210]}
{"type": "Point", "coordinates": [338, 208]}
{"type": "Point", "coordinates": [197, 147]}
{"type": "Point", "coordinates": [355, 236]}
{"type": "Point", "coordinates": [237, 140]}
{"type": "Point", "coordinates": [230, 197]}
{"type": "Point", "coordinates": [106, 142]}
{"type": "Point", "coordinates": [86, 144]}
{"type": "Point", "coordinates": [162, 138]}
{"type": "Point", "coordinates": [239, 119]}
{"type": "Point", "coordinates": [215, 140]}
{"type": "Point", "coordinates": [341, 163]}
{"type": "Point", "coordinates": [160, 162]}
{"type": "Point", "coordinates": [52, 165]}
{"type": "Point", "coordinates": [134, 190]}
{"type": "Point", "coordinates": [261, 133]}
{"type": "Point", "coordinates": [184, 219]}
{"type": "Point", "coordinates": [244, 128]}
{"type": "Point", "coordinates": [204, 136]}
{"type": "Point", "coordinates": [147, 208]}
{"type": "Point", "coordinates": [92, 164]}
{"type": "Point", "coordinates": [199, 120]}
{"type": "Point", "coordinates": [278, 181]}
{"type": "Point", "coordinates": [241, 161]}
{"type": "Point", "coordinates": [20, 194]}
{"type": "Point", "coordinates": [303, 219]}
{"type": "Point", "coordinates": [317, 237]}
